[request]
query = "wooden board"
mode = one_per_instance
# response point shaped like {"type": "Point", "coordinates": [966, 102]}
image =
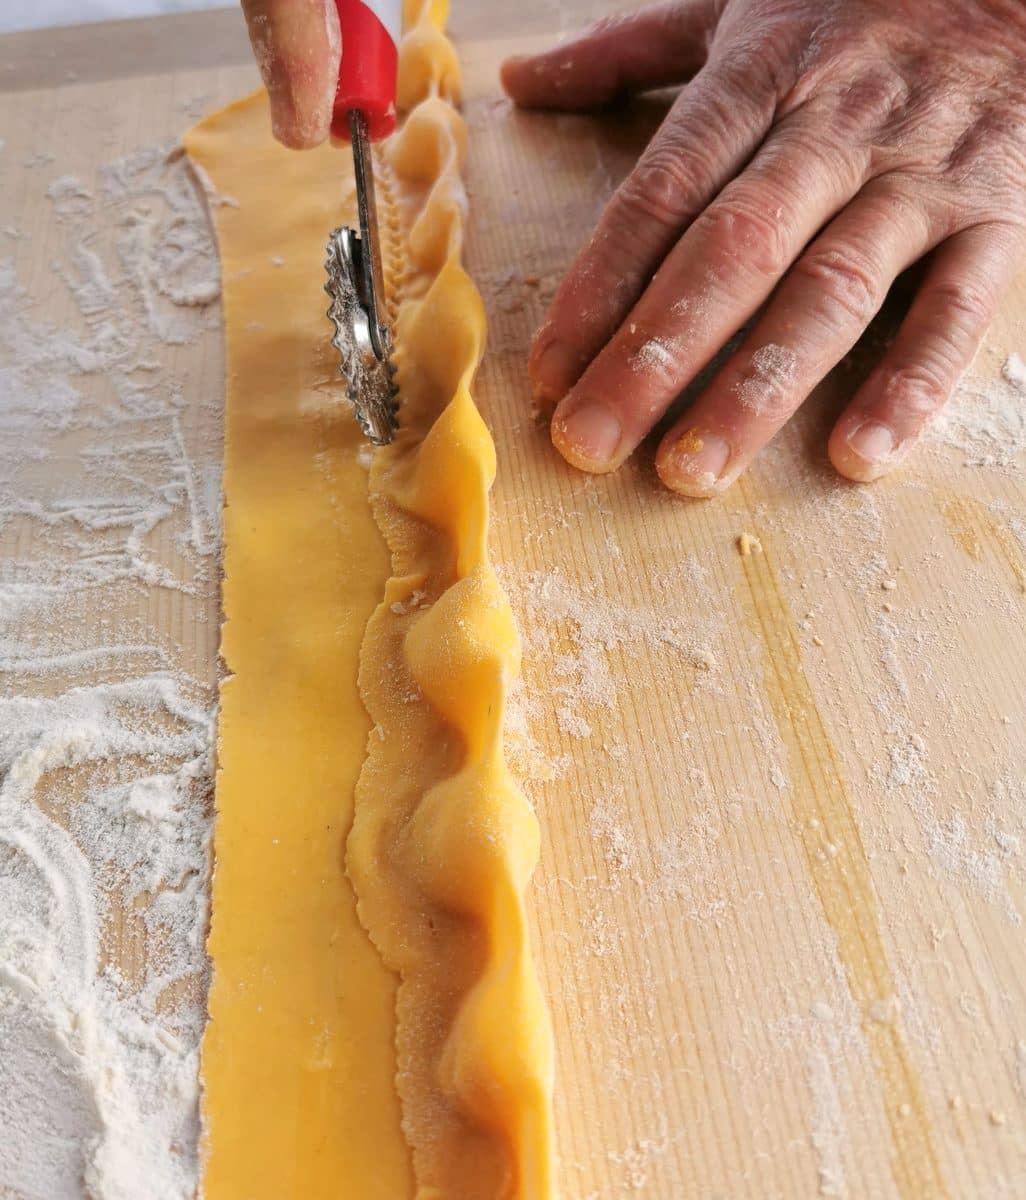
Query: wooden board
{"type": "Point", "coordinates": [780, 902]}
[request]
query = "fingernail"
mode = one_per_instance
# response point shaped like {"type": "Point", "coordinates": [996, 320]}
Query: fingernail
{"type": "Point", "coordinates": [699, 458]}
{"type": "Point", "coordinates": [555, 370]}
{"type": "Point", "coordinates": [871, 441]}
{"type": "Point", "coordinates": [591, 434]}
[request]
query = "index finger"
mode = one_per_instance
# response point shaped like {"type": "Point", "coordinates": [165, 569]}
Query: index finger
{"type": "Point", "coordinates": [713, 128]}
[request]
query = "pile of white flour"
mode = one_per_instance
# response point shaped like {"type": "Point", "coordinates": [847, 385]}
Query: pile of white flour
{"type": "Point", "coordinates": [109, 507]}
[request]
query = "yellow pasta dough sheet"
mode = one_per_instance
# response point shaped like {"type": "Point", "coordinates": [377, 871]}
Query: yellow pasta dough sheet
{"type": "Point", "coordinates": [376, 1028]}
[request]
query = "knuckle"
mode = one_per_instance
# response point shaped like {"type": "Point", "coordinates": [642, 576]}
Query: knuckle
{"type": "Point", "coordinates": [808, 141]}
{"type": "Point", "coordinates": [968, 302]}
{"type": "Point", "coordinates": [851, 92]}
{"type": "Point", "coordinates": [987, 158]}
{"type": "Point", "coordinates": [769, 385]}
{"type": "Point", "coordinates": [845, 280]}
{"type": "Point", "coordinates": [748, 230]}
{"type": "Point", "coordinates": [750, 71]}
{"type": "Point", "coordinates": [900, 197]}
{"type": "Point", "coordinates": [984, 166]}
{"type": "Point", "coordinates": [804, 152]}
{"type": "Point", "coordinates": [661, 188]}
{"type": "Point", "coordinates": [875, 100]}
{"type": "Point", "coordinates": [659, 363]}
{"type": "Point", "coordinates": [919, 388]}
{"type": "Point", "coordinates": [1001, 124]}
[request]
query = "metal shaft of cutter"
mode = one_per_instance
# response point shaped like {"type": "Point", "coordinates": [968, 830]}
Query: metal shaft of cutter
{"type": "Point", "coordinates": [370, 258]}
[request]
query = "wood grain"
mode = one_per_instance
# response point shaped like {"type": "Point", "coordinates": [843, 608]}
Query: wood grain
{"type": "Point", "coordinates": [780, 903]}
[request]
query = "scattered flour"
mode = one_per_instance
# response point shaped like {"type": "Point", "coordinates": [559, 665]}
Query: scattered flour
{"type": "Point", "coordinates": [69, 197]}
{"type": "Point", "coordinates": [986, 419]}
{"type": "Point", "coordinates": [634, 1162]}
{"type": "Point", "coordinates": [767, 387]}
{"type": "Point", "coordinates": [618, 844]}
{"type": "Point", "coordinates": [952, 849]}
{"type": "Point", "coordinates": [829, 1128]}
{"type": "Point", "coordinates": [109, 501]}
{"type": "Point", "coordinates": [98, 1082]}
{"type": "Point", "coordinates": [575, 626]}
{"type": "Point", "coordinates": [658, 356]}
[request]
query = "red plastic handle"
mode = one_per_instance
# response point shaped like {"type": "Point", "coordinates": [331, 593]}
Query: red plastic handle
{"type": "Point", "coordinates": [367, 72]}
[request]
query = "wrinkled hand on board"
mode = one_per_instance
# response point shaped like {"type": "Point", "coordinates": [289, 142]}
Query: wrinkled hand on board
{"type": "Point", "coordinates": [816, 150]}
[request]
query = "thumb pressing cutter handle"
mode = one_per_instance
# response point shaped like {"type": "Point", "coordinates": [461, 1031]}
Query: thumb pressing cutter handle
{"type": "Point", "coordinates": [367, 72]}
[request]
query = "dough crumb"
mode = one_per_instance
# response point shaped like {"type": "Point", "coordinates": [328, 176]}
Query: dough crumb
{"type": "Point", "coordinates": [412, 602]}
{"type": "Point", "coordinates": [1014, 371]}
{"type": "Point", "coordinates": [748, 544]}
{"type": "Point", "coordinates": [997, 1117]}
{"type": "Point", "coordinates": [889, 585]}
{"type": "Point", "coordinates": [817, 640]}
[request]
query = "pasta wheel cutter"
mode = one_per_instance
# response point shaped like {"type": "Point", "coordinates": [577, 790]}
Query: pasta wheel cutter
{"type": "Point", "coordinates": [364, 113]}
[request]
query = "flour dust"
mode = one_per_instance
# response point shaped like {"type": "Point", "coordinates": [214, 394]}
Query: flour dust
{"type": "Point", "coordinates": [109, 534]}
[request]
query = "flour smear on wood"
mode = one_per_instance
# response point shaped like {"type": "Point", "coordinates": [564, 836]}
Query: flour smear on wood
{"type": "Point", "coordinates": [109, 506]}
